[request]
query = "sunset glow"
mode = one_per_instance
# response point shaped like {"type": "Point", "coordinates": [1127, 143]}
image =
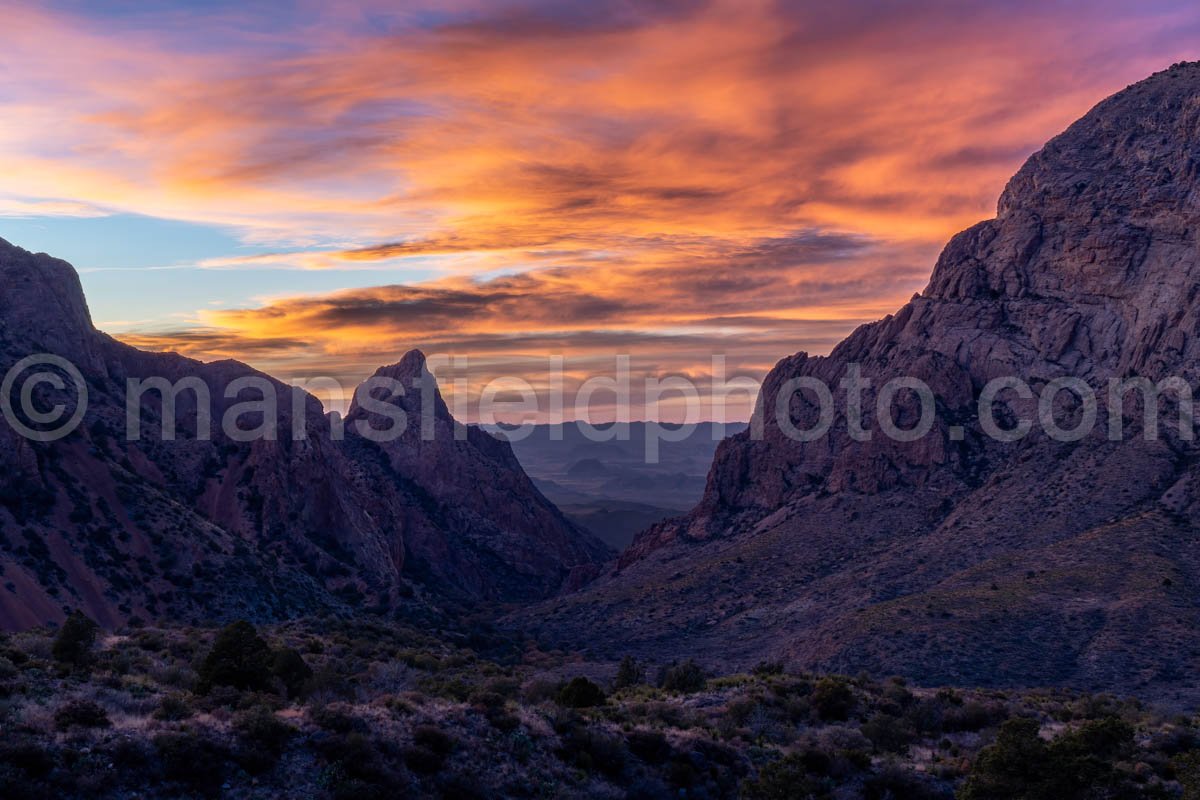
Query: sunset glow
{"type": "Point", "coordinates": [317, 189]}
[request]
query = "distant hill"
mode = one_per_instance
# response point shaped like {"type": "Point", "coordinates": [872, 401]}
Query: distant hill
{"type": "Point", "coordinates": [609, 480]}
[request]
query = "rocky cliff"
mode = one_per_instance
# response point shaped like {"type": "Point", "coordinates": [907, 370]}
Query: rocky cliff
{"type": "Point", "coordinates": [959, 557]}
{"type": "Point", "coordinates": [297, 520]}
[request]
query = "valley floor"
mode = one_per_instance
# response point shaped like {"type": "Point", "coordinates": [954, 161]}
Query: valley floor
{"type": "Point", "coordinates": [353, 709]}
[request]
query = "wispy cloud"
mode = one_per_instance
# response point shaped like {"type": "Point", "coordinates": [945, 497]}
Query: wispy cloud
{"type": "Point", "coordinates": [581, 174]}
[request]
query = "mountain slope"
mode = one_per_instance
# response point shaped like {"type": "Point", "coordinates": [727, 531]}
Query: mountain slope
{"type": "Point", "coordinates": [279, 525]}
{"type": "Point", "coordinates": [959, 557]}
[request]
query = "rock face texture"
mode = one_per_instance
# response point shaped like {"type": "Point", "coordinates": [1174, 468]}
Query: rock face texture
{"type": "Point", "coordinates": [959, 557]}
{"type": "Point", "coordinates": [285, 524]}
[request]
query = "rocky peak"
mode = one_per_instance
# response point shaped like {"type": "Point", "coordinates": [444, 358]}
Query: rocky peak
{"type": "Point", "coordinates": [42, 305]}
{"type": "Point", "coordinates": [420, 387]}
{"type": "Point", "coordinates": [1106, 210]}
{"type": "Point", "coordinates": [1134, 156]}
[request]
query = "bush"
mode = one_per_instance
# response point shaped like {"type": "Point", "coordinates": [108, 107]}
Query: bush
{"type": "Point", "coordinates": [539, 691]}
{"type": "Point", "coordinates": [357, 771]}
{"type": "Point", "coordinates": [971, 717]}
{"type": "Point", "coordinates": [423, 761]}
{"type": "Point", "coordinates": [338, 720]}
{"type": "Point", "coordinates": [649, 746]}
{"type": "Point", "coordinates": [628, 674]}
{"type": "Point", "coordinates": [75, 641]}
{"type": "Point", "coordinates": [290, 668]}
{"type": "Point", "coordinates": [1078, 763]}
{"type": "Point", "coordinates": [431, 747]}
{"type": "Point", "coordinates": [239, 658]}
{"type": "Point", "coordinates": [832, 699]}
{"type": "Point", "coordinates": [766, 669]}
{"type": "Point", "coordinates": [785, 779]}
{"type": "Point", "coordinates": [581, 693]}
{"type": "Point", "coordinates": [263, 737]}
{"type": "Point", "coordinates": [893, 782]}
{"type": "Point", "coordinates": [434, 739]}
{"type": "Point", "coordinates": [888, 734]}
{"type": "Point", "coordinates": [81, 714]}
{"type": "Point", "coordinates": [261, 726]}
{"type": "Point", "coordinates": [685, 678]}
{"type": "Point", "coordinates": [192, 760]}
{"type": "Point", "coordinates": [173, 708]}
{"type": "Point", "coordinates": [592, 750]}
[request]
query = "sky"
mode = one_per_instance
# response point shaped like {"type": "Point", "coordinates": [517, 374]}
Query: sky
{"type": "Point", "coordinates": [317, 187]}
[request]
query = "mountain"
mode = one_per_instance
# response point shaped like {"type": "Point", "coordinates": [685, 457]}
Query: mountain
{"type": "Point", "coordinates": [280, 525]}
{"type": "Point", "coordinates": [959, 558]}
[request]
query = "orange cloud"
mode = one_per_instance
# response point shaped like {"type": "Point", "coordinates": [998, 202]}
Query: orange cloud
{"type": "Point", "coordinates": [667, 179]}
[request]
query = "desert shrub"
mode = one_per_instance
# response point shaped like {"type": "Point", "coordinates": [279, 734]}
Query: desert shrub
{"type": "Point", "coordinates": [150, 641]}
{"type": "Point", "coordinates": [581, 693]}
{"type": "Point", "coordinates": [1187, 771]}
{"type": "Point", "coordinates": [290, 668]}
{"type": "Point", "coordinates": [337, 719]}
{"type": "Point", "coordinates": [423, 760]}
{"type": "Point", "coordinates": [888, 734]}
{"type": "Point", "coordinates": [785, 779]}
{"type": "Point", "coordinates": [816, 762]}
{"type": "Point", "coordinates": [495, 709]}
{"type": "Point", "coordinates": [463, 787]}
{"type": "Point", "coordinates": [24, 758]}
{"type": "Point", "coordinates": [431, 747]}
{"type": "Point", "coordinates": [502, 720]}
{"type": "Point", "coordinates": [192, 759]}
{"type": "Point", "coordinates": [685, 678]}
{"type": "Point", "coordinates": [453, 688]}
{"type": "Point", "coordinates": [397, 705]}
{"type": "Point", "coordinates": [435, 739]}
{"type": "Point", "coordinates": [895, 698]}
{"type": "Point", "coordinates": [832, 699]}
{"type": "Point", "coordinates": [628, 674]}
{"type": "Point", "coordinates": [741, 709]}
{"type": "Point", "coordinates": [1079, 763]}
{"type": "Point", "coordinates": [357, 771]}
{"type": "Point", "coordinates": [507, 687]}
{"type": "Point", "coordinates": [219, 697]}
{"type": "Point", "coordinates": [128, 754]}
{"type": "Point", "coordinates": [765, 669]}
{"type": "Point", "coordinates": [893, 782]}
{"type": "Point", "coordinates": [649, 746]}
{"type": "Point", "coordinates": [173, 708]}
{"type": "Point", "coordinates": [81, 713]}
{"type": "Point", "coordinates": [263, 728]}
{"type": "Point", "coordinates": [485, 700]}
{"type": "Point", "coordinates": [1013, 766]}
{"type": "Point", "coordinates": [239, 658]}
{"type": "Point", "coordinates": [263, 737]}
{"type": "Point", "coordinates": [950, 697]}
{"type": "Point", "coordinates": [75, 641]}
{"type": "Point", "coordinates": [1174, 740]}
{"type": "Point", "coordinates": [539, 691]}
{"type": "Point", "coordinates": [970, 717]}
{"type": "Point", "coordinates": [925, 716]}
{"type": "Point", "coordinates": [593, 750]}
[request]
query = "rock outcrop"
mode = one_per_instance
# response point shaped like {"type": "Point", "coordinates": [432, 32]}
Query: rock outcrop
{"type": "Point", "coordinates": [960, 557]}
{"type": "Point", "coordinates": [295, 521]}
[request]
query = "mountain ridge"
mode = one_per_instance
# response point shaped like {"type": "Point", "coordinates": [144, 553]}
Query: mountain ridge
{"type": "Point", "coordinates": [269, 528]}
{"type": "Point", "coordinates": [959, 558]}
